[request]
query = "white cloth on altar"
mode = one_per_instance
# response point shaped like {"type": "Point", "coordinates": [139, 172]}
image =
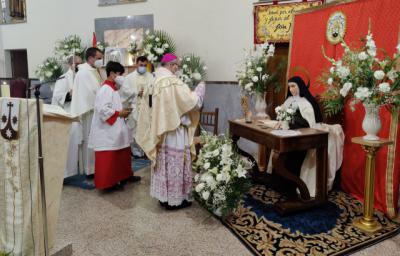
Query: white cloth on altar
{"type": "Point", "coordinates": [20, 208]}
{"type": "Point", "coordinates": [62, 87]}
{"type": "Point", "coordinates": [104, 136]}
{"type": "Point", "coordinates": [133, 84]}
{"type": "Point", "coordinates": [171, 177]}
{"type": "Point", "coordinates": [335, 146]}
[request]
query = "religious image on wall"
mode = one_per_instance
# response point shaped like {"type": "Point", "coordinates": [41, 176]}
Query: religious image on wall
{"type": "Point", "coordinates": [273, 22]}
{"type": "Point", "coordinates": [12, 11]}
{"type": "Point", "coordinates": [123, 37]}
{"type": "Point", "coordinates": [112, 2]}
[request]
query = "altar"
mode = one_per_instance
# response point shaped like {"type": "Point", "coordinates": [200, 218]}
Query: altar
{"type": "Point", "coordinates": [307, 138]}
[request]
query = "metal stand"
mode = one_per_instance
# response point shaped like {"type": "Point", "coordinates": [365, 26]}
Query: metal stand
{"type": "Point", "coordinates": [41, 172]}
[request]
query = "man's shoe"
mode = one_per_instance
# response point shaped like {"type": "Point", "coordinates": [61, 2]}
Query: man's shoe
{"type": "Point", "coordinates": [133, 179]}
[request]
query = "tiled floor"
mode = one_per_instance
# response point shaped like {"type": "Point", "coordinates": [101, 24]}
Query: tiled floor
{"type": "Point", "coordinates": [130, 222]}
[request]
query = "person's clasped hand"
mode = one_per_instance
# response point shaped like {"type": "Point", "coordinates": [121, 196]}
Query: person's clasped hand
{"type": "Point", "coordinates": [125, 112]}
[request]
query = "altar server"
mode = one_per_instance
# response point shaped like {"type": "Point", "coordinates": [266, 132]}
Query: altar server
{"type": "Point", "coordinates": [110, 136]}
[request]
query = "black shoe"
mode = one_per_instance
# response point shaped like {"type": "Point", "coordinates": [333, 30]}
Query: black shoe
{"type": "Point", "coordinates": [184, 204]}
{"type": "Point", "coordinates": [133, 179]}
{"type": "Point", "coordinates": [163, 204]}
{"type": "Point", "coordinates": [116, 187]}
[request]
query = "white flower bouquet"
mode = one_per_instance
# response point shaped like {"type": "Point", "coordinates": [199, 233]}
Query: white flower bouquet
{"type": "Point", "coordinates": [49, 70]}
{"type": "Point", "coordinates": [360, 76]}
{"type": "Point", "coordinates": [193, 70]}
{"type": "Point", "coordinates": [253, 75]}
{"type": "Point", "coordinates": [284, 113]}
{"type": "Point", "coordinates": [69, 46]}
{"type": "Point", "coordinates": [222, 180]}
{"type": "Point", "coordinates": [101, 46]}
{"type": "Point", "coordinates": [156, 44]}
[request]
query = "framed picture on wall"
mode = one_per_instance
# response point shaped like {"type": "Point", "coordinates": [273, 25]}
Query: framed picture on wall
{"type": "Point", "coordinates": [113, 2]}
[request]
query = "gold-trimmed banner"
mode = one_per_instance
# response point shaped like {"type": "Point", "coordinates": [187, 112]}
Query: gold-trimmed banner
{"type": "Point", "coordinates": [273, 22]}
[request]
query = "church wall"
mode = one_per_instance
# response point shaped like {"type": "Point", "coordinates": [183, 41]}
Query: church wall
{"type": "Point", "coordinates": [217, 30]}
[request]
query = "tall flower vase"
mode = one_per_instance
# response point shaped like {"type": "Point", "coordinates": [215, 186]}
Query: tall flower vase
{"type": "Point", "coordinates": [261, 106]}
{"type": "Point", "coordinates": [372, 122]}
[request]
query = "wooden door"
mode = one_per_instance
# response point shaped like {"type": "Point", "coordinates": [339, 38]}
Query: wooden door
{"type": "Point", "coordinates": [19, 63]}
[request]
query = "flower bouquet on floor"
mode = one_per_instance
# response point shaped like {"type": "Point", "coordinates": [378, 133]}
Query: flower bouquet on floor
{"type": "Point", "coordinates": [156, 44]}
{"type": "Point", "coordinates": [222, 179]}
{"type": "Point", "coordinates": [361, 77]}
{"type": "Point", "coordinates": [49, 70]}
{"type": "Point", "coordinates": [193, 70]}
{"type": "Point", "coordinates": [69, 46]}
{"type": "Point", "coordinates": [285, 115]}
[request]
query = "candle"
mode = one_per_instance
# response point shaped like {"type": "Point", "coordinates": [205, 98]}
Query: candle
{"type": "Point", "coordinates": [5, 90]}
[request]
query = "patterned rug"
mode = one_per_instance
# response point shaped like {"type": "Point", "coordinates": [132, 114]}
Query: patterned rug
{"type": "Point", "coordinates": [326, 230]}
{"type": "Point", "coordinates": [85, 182]}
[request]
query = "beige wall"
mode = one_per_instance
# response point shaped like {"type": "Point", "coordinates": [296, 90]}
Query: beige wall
{"type": "Point", "coordinates": [217, 30]}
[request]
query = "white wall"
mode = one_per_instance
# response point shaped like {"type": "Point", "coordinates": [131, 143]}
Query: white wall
{"type": "Point", "coordinates": [217, 30]}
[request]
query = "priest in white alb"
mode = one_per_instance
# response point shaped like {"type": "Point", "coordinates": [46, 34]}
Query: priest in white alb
{"type": "Point", "coordinates": [174, 118]}
{"type": "Point", "coordinates": [87, 83]}
{"type": "Point", "coordinates": [62, 97]}
{"type": "Point", "coordinates": [136, 92]}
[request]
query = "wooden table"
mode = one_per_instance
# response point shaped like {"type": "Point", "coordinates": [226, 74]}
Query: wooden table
{"type": "Point", "coordinates": [367, 223]}
{"type": "Point", "coordinates": [308, 139]}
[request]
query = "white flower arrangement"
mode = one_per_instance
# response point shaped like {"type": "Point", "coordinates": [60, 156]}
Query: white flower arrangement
{"type": "Point", "coordinates": [71, 45]}
{"type": "Point", "coordinates": [253, 76]}
{"type": "Point", "coordinates": [49, 70]}
{"type": "Point", "coordinates": [101, 46]}
{"type": "Point", "coordinates": [222, 180]}
{"type": "Point", "coordinates": [360, 76]}
{"type": "Point", "coordinates": [193, 70]}
{"type": "Point", "coordinates": [284, 113]}
{"type": "Point", "coordinates": [156, 44]}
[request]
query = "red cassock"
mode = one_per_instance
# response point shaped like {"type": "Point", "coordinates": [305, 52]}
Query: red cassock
{"type": "Point", "coordinates": [308, 37]}
{"type": "Point", "coordinates": [112, 167]}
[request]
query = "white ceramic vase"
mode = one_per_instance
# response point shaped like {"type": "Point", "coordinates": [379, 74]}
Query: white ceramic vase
{"type": "Point", "coordinates": [261, 106]}
{"type": "Point", "coordinates": [372, 122]}
{"type": "Point", "coordinates": [285, 125]}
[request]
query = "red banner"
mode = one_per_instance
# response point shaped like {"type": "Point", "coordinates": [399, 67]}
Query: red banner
{"type": "Point", "coordinates": [309, 35]}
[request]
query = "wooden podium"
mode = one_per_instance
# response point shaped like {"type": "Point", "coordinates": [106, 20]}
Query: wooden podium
{"type": "Point", "coordinates": [55, 139]}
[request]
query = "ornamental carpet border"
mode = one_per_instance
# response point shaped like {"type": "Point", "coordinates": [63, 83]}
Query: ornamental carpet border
{"type": "Point", "coordinates": [326, 230]}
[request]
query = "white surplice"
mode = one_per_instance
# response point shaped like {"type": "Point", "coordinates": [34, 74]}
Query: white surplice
{"type": "Point", "coordinates": [62, 87]}
{"type": "Point", "coordinates": [103, 136]}
{"type": "Point", "coordinates": [87, 83]}
{"type": "Point", "coordinates": [133, 84]}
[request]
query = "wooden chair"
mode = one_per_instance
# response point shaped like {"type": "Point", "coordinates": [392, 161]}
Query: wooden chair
{"type": "Point", "coordinates": [206, 119]}
{"type": "Point", "coordinates": [209, 119]}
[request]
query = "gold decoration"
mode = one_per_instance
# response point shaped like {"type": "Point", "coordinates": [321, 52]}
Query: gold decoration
{"type": "Point", "coordinates": [274, 23]}
{"type": "Point", "coordinates": [336, 27]}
